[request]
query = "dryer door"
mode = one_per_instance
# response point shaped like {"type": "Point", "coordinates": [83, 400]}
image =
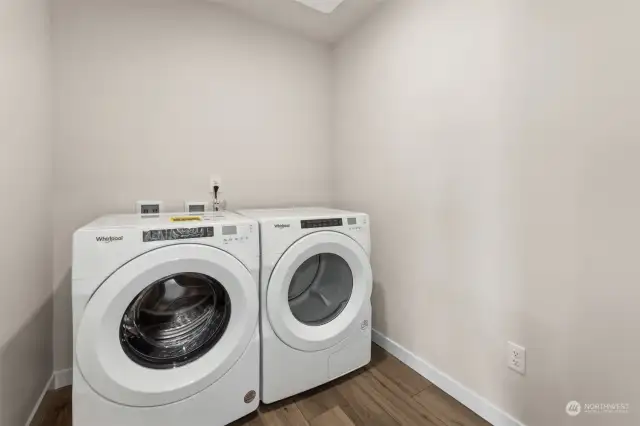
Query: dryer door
{"type": "Point", "coordinates": [317, 290]}
{"type": "Point", "coordinates": [167, 325]}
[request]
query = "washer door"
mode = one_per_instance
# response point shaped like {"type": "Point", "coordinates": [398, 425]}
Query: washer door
{"type": "Point", "coordinates": [167, 325]}
{"type": "Point", "coordinates": [317, 289]}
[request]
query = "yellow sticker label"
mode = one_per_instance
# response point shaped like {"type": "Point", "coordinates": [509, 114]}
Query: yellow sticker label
{"type": "Point", "coordinates": [186, 219]}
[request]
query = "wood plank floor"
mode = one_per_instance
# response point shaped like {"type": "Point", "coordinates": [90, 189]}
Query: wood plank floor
{"type": "Point", "coordinates": [386, 392]}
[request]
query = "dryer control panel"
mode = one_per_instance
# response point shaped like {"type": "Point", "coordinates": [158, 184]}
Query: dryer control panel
{"type": "Point", "coordinates": [320, 223]}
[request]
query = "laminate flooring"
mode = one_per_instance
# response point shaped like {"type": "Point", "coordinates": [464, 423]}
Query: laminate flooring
{"type": "Point", "coordinates": [386, 392]}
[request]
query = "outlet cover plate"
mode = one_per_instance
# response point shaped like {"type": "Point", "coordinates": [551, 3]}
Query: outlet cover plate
{"type": "Point", "coordinates": [214, 180]}
{"type": "Point", "coordinates": [195, 207]}
{"type": "Point", "coordinates": [517, 358]}
{"type": "Point", "coordinates": [149, 207]}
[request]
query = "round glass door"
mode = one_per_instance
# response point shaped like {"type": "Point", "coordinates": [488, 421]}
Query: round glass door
{"type": "Point", "coordinates": [189, 306]}
{"type": "Point", "coordinates": [175, 320]}
{"type": "Point", "coordinates": [320, 289]}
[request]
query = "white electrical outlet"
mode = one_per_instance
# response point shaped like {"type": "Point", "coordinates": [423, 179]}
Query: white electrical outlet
{"type": "Point", "coordinates": [149, 207]}
{"type": "Point", "coordinates": [214, 180]}
{"type": "Point", "coordinates": [195, 207]}
{"type": "Point", "coordinates": [516, 358]}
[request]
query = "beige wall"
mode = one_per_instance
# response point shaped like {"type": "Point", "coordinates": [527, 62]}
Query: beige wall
{"type": "Point", "coordinates": [494, 144]}
{"type": "Point", "coordinates": [153, 96]}
{"type": "Point", "coordinates": [25, 190]}
{"type": "Point", "coordinates": [497, 146]}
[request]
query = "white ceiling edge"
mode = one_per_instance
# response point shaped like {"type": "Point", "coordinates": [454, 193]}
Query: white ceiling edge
{"type": "Point", "coordinates": [324, 6]}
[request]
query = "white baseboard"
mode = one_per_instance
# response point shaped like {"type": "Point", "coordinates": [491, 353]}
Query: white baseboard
{"type": "Point", "coordinates": [59, 379]}
{"type": "Point", "coordinates": [62, 378]}
{"type": "Point", "coordinates": [46, 389]}
{"type": "Point", "coordinates": [466, 396]}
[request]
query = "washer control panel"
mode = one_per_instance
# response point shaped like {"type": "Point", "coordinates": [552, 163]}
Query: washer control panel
{"type": "Point", "coordinates": [355, 224]}
{"type": "Point", "coordinates": [177, 234]}
{"type": "Point", "coordinates": [232, 234]}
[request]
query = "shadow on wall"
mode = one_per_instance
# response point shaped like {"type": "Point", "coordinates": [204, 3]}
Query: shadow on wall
{"type": "Point", "coordinates": [25, 367]}
{"type": "Point", "coordinates": [63, 320]}
{"type": "Point", "coordinates": [378, 306]}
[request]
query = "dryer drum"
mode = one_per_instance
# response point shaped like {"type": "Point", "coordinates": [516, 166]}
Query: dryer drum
{"type": "Point", "coordinates": [320, 289]}
{"type": "Point", "coordinates": [175, 320]}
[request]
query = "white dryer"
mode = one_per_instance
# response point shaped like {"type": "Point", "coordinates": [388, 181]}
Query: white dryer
{"type": "Point", "coordinates": [315, 295]}
{"type": "Point", "coordinates": [165, 320]}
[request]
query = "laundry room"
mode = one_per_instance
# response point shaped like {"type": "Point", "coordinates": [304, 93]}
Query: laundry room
{"type": "Point", "coordinates": [319, 212]}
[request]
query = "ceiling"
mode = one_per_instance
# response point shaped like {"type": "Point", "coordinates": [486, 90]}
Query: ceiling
{"type": "Point", "coordinates": [295, 16]}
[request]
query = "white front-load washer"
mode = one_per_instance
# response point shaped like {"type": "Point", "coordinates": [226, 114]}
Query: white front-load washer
{"type": "Point", "coordinates": [165, 320]}
{"type": "Point", "coordinates": [315, 295]}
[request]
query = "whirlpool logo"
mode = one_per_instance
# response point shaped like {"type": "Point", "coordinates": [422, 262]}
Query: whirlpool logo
{"type": "Point", "coordinates": [108, 240]}
{"type": "Point", "coordinates": [282, 225]}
